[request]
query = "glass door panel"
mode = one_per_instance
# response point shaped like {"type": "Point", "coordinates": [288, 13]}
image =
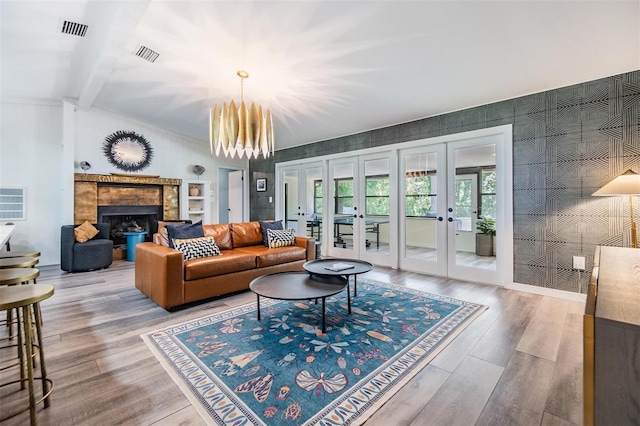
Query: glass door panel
{"type": "Point", "coordinates": [472, 167]}
{"type": "Point", "coordinates": [313, 193]}
{"type": "Point", "coordinates": [377, 221]}
{"type": "Point", "coordinates": [342, 196]}
{"type": "Point", "coordinates": [292, 208]}
{"type": "Point", "coordinates": [422, 228]}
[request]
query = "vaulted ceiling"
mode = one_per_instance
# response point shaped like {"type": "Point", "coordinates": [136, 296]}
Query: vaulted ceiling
{"type": "Point", "coordinates": [325, 68]}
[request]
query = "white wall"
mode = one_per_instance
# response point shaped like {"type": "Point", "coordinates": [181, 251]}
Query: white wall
{"type": "Point", "coordinates": [31, 155]}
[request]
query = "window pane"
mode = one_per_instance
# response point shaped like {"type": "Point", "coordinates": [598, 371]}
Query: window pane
{"type": "Point", "coordinates": [488, 182]}
{"type": "Point", "coordinates": [489, 206]}
{"type": "Point", "coordinates": [420, 197]}
{"type": "Point", "coordinates": [463, 204]}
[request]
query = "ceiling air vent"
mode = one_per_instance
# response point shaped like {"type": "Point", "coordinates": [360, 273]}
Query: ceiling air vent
{"type": "Point", "coordinates": [74, 28]}
{"type": "Point", "coordinates": [146, 53]}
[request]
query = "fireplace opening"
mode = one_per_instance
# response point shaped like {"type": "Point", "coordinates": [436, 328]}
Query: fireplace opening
{"type": "Point", "coordinates": [128, 218]}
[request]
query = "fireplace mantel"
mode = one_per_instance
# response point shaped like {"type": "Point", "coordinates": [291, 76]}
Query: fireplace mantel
{"type": "Point", "coordinates": [126, 178]}
{"type": "Point", "coordinates": [93, 190]}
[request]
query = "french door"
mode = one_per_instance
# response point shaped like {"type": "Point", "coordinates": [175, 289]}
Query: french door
{"type": "Point", "coordinates": [444, 188]}
{"type": "Point", "coordinates": [362, 213]}
{"type": "Point", "coordinates": [299, 191]}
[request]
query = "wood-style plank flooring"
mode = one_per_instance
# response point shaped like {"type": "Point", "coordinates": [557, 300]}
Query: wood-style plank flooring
{"type": "Point", "coordinates": [519, 363]}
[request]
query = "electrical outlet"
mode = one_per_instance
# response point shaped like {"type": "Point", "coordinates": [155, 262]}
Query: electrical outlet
{"type": "Point", "coordinates": [579, 263]}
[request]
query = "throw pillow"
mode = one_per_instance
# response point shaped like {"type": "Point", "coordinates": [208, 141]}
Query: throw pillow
{"type": "Point", "coordinates": [264, 226]}
{"type": "Point", "coordinates": [195, 248]}
{"type": "Point", "coordinates": [85, 232]}
{"type": "Point", "coordinates": [281, 238]}
{"type": "Point", "coordinates": [193, 230]}
{"type": "Point", "coordinates": [162, 231]}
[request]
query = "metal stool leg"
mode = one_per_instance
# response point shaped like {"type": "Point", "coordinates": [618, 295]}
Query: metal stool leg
{"type": "Point", "coordinates": [28, 339]}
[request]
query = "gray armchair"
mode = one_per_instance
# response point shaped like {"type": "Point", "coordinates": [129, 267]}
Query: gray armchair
{"type": "Point", "coordinates": [97, 253]}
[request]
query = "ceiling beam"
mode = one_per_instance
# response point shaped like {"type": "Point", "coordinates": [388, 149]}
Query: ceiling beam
{"type": "Point", "coordinates": [108, 42]}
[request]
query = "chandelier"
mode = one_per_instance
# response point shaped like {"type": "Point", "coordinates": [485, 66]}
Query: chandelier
{"type": "Point", "coordinates": [242, 131]}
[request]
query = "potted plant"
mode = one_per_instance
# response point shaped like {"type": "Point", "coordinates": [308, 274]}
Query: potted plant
{"type": "Point", "coordinates": [486, 228]}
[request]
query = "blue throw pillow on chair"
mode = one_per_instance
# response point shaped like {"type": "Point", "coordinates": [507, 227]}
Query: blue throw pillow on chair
{"type": "Point", "coordinates": [190, 230]}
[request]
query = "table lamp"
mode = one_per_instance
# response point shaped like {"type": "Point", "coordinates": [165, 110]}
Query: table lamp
{"type": "Point", "coordinates": [627, 183]}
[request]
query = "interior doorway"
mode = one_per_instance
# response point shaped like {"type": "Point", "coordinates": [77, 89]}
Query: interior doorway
{"type": "Point", "coordinates": [233, 205]}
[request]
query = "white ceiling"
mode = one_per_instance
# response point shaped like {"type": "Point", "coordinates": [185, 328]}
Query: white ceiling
{"type": "Point", "coordinates": [325, 68]}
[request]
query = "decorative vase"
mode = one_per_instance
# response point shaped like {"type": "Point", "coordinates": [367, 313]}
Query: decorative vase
{"type": "Point", "coordinates": [194, 191]}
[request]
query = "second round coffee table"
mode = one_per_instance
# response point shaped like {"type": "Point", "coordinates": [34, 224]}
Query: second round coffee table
{"type": "Point", "coordinates": [319, 267]}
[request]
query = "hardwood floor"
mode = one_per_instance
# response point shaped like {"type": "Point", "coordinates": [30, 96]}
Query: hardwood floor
{"type": "Point", "coordinates": [520, 362]}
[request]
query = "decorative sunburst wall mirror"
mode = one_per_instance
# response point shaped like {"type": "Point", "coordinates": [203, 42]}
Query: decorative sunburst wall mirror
{"type": "Point", "coordinates": [128, 150]}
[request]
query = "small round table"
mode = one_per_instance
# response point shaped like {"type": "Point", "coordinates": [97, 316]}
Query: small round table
{"type": "Point", "coordinates": [321, 267]}
{"type": "Point", "coordinates": [133, 238]}
{"type": "Point", "coordinates": [299, 286]}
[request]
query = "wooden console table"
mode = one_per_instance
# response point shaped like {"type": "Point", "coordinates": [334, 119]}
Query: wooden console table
{"type": "Point", "coordinates": [612, 339]}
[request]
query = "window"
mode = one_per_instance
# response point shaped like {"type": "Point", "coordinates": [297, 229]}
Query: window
{"type": "Point", "coordinates": [420, 196]}
{"type": "Point", "coordinates": [488, 193]}
{"type": "Point", "coordinates": [377, 195]}
{"type": "Point", "coordinates": [344, 195]}
{"type": "Point", "coordinates": [317, 196]}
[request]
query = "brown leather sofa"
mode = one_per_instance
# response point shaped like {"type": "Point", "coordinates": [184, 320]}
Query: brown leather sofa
{"type": "Point", "coordinates": [166, 278]}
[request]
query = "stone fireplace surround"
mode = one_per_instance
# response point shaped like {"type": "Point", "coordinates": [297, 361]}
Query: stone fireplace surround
{"type": "Point", "coordinates": [124, 198]}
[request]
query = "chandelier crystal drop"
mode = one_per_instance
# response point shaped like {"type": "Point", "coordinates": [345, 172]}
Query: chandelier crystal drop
{"type": "Point", "coordinates": [241, 131]}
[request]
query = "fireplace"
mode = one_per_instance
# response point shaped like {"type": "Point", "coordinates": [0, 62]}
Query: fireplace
{"type": "Point", "coordinates": [128, 218]}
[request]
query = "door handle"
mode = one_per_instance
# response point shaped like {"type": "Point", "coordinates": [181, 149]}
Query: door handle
{"type": "Point", "coordinates": [439, 218]}
{"type": "Point", "coordinates": [301, 214]}
{"type": "Point", "coordinates": [450, 219]}
{"type": "Point", "coordinates": [355, 215]}
{"type": "Point", "coordinates": [361, 216]}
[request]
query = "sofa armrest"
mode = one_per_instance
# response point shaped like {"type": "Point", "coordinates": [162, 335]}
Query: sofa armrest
{"type": "Point", "coordinates": [308, 244]}
{"type": "Point", "coordinates": [160, 274]}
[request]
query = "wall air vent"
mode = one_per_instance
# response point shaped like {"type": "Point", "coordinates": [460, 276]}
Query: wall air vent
{"type": "Point", "coordinates": [146, 53]}
{"type": "Point", "coordinates": [74, 28]}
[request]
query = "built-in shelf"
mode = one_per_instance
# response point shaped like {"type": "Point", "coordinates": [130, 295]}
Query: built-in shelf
{"type": "Point", "coordinates": [195, 200]}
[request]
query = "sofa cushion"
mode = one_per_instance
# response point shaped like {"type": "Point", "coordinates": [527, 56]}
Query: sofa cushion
{"type": "Point", "coordinates": [221, 233]}
{"type": "Point", "coordinates": [229, 261]}
{"type": "Point", "coordinates": [193, 230]}
{"type": "Point", "coordinates": [270, 257]}
{"type": "Point", "coordinates": [245, 234]}
{"type": "Point", "coordinates": [195, 248]}
{"type": "Point", "coordinates": [163, 238]}
{"type": "Point", "coordinates": [286, 237]}
{"type": "Point", "coordinates": [85, 232]}
{"type": "Point", "coordinates": [264, 226]}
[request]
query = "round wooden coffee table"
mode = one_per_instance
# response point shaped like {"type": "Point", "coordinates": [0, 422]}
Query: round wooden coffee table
{"type": "Point", "coordinates": [299, 286]}
{"type": "Point", "coordinates": [321, 267]}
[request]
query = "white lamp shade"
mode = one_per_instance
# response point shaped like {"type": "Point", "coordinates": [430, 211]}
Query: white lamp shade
{"type": "Point", "coordinates": [627, 183]}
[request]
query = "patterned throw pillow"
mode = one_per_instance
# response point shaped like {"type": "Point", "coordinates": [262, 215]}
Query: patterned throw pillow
{"type": "Point", "coordinates": [195, 248]}
{"type": "Point", "coordinates": [281, 238]}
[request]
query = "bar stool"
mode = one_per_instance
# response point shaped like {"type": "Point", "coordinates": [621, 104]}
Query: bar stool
{"type": "Point", "coordinates": [23, 298]}
{"type": "Point", "coordinates": [18, 262]}
{"type": "Point", "coordinates": [8, 254]}
{"type": "Point", "coordinates": [13, 276]}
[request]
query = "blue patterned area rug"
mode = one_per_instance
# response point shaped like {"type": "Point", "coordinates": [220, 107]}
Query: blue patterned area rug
{"type": "Point", "coordinates": [283, 370]}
